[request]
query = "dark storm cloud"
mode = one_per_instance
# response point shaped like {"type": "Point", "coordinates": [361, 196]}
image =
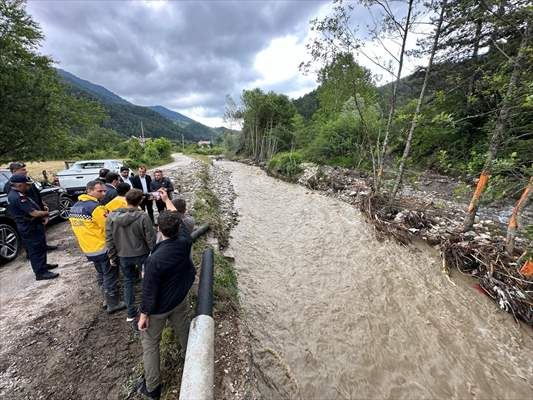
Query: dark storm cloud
{"type": "Point", "coordinates": [179, 54]}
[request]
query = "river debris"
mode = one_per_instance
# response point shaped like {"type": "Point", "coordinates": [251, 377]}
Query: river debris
{"type": "Point", "coordinates": [437, 219]}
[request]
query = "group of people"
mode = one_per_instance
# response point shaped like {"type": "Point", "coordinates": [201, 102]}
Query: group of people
{"type": "Point", "coordinates": [113, 223]}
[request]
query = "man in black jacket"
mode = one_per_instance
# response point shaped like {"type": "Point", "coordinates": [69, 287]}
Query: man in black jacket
{"type": "Point", "coordinates": [161, 182]}
{"type": "Point", "coordinates": [111, 183]}
{"type": "Point", "coordinates": [142, 181]}
{"type": "Point", "coordinates": [168, 276]}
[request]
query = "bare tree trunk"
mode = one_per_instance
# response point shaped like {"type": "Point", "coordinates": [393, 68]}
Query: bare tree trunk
{"type": "Point", "coordinates": [498, 132]}
{"type": "Point", "coordinates": [416, 115]}
{"type": "Point", "coordinates": [475, 57]}
{"type": "Point", "coordinates": [513, 221]}
{"type": "Point", "coordinates": [392, 109]}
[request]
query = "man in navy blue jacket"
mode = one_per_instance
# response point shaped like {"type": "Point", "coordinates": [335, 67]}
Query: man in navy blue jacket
{"type": "Point", "coordinates": [168, 276]}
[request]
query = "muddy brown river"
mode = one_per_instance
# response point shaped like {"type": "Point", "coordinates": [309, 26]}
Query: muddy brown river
{"type": "Point", "coordinates": [336, 314]}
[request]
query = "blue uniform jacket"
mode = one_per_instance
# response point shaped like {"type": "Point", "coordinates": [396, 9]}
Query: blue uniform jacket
{"type": "Point", "coordinates": [20, 207]}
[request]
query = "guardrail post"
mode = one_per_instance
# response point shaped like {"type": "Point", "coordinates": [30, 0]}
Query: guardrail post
{"type": "Point", "coordinates": [197, 381]}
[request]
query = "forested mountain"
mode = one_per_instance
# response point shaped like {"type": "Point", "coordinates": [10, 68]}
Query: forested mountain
{"type": "Point", "coordinates": [96, 91]}
{"type": "Point", "coordinates": [172, 115]}
{"type": "Point", "coordinates": [125, 117]}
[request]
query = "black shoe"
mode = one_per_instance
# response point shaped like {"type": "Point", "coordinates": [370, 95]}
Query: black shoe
{"type": "Point", "coordinates": [51, 266]}
{"type": "Point", "coordinates": [46, 275]}
{"type": "Point", "coordinates": [154, 394]}
{"type": "Point", "coordinates": [50, 247]}
{"type": "Point", "coordinates": [114, 304]}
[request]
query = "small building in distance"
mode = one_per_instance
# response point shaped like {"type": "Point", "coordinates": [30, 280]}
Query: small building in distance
{"type": "Point", "coordinates": [204, 143]}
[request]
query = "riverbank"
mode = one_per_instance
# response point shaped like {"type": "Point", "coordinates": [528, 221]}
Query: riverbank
{"type": "Point", "coordinates": [335, 313]}
{"type": "Point", "coordinates": [431, 208]}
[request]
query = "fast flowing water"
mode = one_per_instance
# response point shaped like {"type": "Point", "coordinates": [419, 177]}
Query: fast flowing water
{"type": "Point", "coordinates": [336, 314]}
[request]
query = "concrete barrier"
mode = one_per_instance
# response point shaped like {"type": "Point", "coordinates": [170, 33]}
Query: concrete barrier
{"type": "Point", "coordinates": [197, 381]}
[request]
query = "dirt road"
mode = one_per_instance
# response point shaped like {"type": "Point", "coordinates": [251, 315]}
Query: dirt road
{"type": "Point", "coordinates": [335, 314]}
{"type": "Point", "coordinates": [56, 342]}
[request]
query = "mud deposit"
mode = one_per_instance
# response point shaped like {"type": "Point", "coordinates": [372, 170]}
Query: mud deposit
{"type": "Point", "coordinates": [335, 314]}
{"type": "Point", "coordinates": [56, 341]}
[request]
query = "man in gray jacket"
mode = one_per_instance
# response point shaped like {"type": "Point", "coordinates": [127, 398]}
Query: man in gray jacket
{"type": "Point", "coordinates": [130, 235]}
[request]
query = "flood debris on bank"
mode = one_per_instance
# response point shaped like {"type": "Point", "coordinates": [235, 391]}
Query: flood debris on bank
{"type": "Point", "coordinates": [435, 216]}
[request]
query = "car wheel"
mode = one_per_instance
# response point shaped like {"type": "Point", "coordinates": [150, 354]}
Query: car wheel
{"type": "Point", "coordinates": [65, 204]}
{"type": "Point", "coordinates": [9, 243]}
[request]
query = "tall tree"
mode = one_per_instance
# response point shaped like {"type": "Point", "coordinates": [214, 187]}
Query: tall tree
{"type": "Point", "coordinates": [414, 120]}
{"type": "Point", "coordinates": [37, 115]}
{"type": "Point", "coordinates": [500, 128]}
{"type": "Point", "coordinates": [404, 30]}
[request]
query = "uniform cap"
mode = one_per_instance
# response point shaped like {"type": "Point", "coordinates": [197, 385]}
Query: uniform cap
{"type": "Point", "coordinates": [20, 178]}
{"type": "Point", "coordinates": [16, 165]}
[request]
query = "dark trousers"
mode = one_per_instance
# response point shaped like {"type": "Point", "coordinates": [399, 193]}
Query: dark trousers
{"type": "Point", "coordinates": [128, 266]}
{"type": "Point", "coordinates": [160, 205]}
{"type": "Point", "coordinates": [34, 240]}
{"type": "Point", "coordinates": [148, 205]}
{"type": "Point", "coordinates": [106, 274]}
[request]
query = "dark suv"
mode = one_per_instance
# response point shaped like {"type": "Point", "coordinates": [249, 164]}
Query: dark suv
{"type": "Point", "coordinates": [55, 197]}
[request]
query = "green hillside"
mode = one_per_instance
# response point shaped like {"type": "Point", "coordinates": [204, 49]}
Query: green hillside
{"type": "Point", "coordinates": [125, 117]}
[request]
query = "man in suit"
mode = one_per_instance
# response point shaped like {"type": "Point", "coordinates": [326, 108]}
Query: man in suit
{"type": "Point", "coordinates": [142, 181]}
{"type": "Point", "coordinates": [125, 175]}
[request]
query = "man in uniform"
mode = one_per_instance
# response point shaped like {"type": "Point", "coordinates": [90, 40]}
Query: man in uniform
{"type": "Point", "coordinates": [88, 219]}
{"type": "Point", "coordinates": [19, 167]}
{"type": "Point", "coordinates": [30, 221]}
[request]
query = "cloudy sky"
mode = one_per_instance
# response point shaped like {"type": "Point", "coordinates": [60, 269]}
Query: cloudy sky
{"type": "Point", "coordinates": [184, 55]}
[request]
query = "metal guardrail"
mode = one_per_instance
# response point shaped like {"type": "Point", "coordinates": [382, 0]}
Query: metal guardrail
{"type": "Point", "coordinates": [197, 381]}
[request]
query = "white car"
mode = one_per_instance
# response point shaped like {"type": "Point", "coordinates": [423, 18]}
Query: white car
{"type": "Point", "coordinates": [75, 178]}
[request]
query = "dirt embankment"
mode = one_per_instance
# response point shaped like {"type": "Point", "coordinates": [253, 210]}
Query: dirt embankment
{"type": "Point", "coordinates": [58, 343]}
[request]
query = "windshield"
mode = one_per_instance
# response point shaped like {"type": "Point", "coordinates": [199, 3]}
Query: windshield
{"type": "Point", "coordinates": [88, 165]}
{"type": "Point", "coordinates": [4, 178]}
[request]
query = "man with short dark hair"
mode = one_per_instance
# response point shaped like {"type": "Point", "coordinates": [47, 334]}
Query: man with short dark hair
{"type": "Point", "coordinates": [161, 182]}
{"type": "Point", "coordinates": [101, 175]}
{"type": "Point", "coordinates": [168, 276]}
{"type": "Point", "coordinates": [125, 175]}
{"type": "Point", "coordinates": [30, 224]}
{"type": "Point", "coordinates": [120, 200]}
{"type": "Point", "coordinates": [111, 183]}
{"type": "Point", "coordinates": [181, 208]}
{"type": "Point", "coordinates": [130, 235]}
{"type": "Point", "coordinates": [88, 219]}
{"type": "Point", "coordinates": [142, 181]}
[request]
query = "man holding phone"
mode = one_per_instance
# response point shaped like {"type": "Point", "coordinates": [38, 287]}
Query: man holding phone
{"type": "Point", "coordinates": [168, 277]}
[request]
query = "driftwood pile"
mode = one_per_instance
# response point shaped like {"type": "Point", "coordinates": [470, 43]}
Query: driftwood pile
{"type": "Point", "coordinates": [480, 256]}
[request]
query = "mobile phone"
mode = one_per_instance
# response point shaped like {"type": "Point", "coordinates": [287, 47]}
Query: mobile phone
{"type": "Point", "coordinates": [155, 195]}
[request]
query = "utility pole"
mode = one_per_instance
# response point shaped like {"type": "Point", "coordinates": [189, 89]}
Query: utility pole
{"type": "Point", "coordinates": [143, 139]}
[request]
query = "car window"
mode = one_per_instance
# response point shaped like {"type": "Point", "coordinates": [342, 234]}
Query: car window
{"type": "Point", "coordinates": [88, 165]}
{"type": "Point", "coordinates": [4, 178]}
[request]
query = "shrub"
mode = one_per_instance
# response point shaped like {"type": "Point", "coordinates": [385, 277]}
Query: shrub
{"type": "Point", "coordinates": [286, 163]}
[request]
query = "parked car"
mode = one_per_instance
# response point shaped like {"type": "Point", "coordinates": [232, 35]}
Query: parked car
{"type": "Point", "coordinates": [77, 175]}
{"type": "Point", "coordinates": [59, 204]}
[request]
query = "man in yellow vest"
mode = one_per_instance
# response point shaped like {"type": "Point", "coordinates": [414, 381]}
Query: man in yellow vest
{"type": "Point", "coordinates": [88, 219]}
